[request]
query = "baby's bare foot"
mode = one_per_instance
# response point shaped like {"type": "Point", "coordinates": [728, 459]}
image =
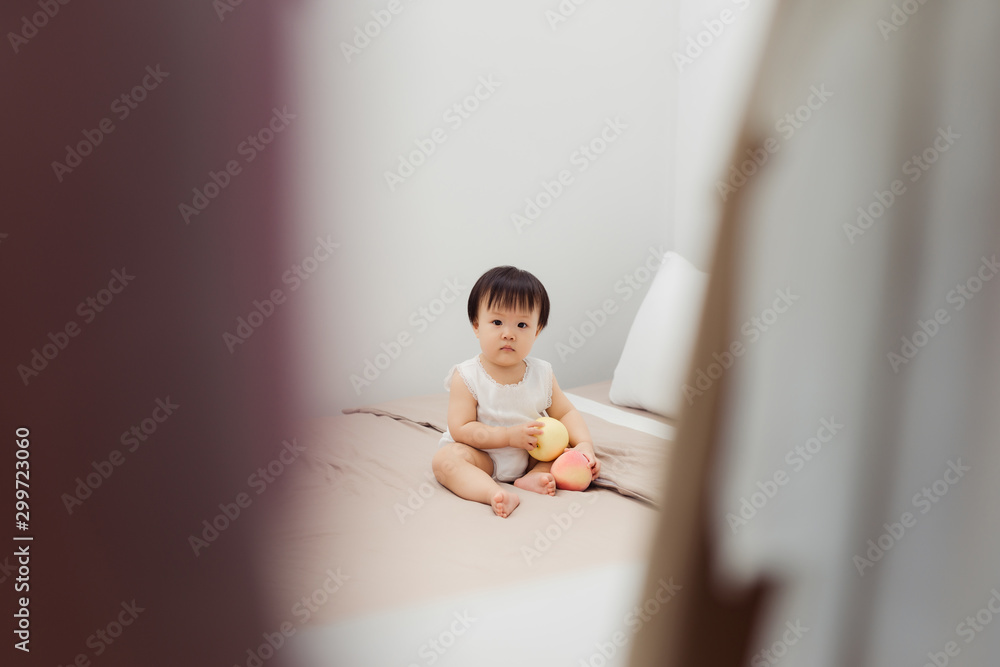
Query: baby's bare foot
{"type": "Point", "coordinates": [539, 482]}
{"type": "Point", "coordinates": [504, 503]}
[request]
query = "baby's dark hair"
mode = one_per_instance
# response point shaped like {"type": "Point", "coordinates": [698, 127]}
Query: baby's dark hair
{"type": "Point", "coordinates": [509, 287]}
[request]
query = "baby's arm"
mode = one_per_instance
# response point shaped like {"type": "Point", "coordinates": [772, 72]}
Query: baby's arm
{"type": "Point", "coordinates": [579, 434]}
{"type": "Point", "coordinates": [464, 427]}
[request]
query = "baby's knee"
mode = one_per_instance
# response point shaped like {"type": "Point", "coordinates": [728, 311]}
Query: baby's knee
{"type": "Point", "coordinates": [446, 458]}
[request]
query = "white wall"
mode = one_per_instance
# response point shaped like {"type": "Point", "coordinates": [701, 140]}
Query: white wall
{"type": "Point", "coordinates": [451, 220]}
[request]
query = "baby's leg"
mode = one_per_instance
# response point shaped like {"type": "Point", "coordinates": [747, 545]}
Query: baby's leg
{"type": "Point", "coordinates": [538, 479]}
{"type": "Point", "coordinates": [466, 471]}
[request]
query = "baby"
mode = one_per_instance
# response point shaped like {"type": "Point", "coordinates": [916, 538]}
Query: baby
{"type": "Point", "coordinates": [497, 395]}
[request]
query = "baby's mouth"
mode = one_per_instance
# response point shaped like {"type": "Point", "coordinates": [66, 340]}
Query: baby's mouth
{"type": "Point", "coordinates": [507, 347]}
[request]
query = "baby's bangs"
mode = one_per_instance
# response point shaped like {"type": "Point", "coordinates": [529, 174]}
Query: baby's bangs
{"type": "Point", "coordinates": [509, 288]}
{"type": "Point", "coordinates": [514, 299]}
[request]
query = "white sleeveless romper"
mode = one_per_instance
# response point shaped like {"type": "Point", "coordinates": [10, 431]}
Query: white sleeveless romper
{"type": "Point", "coordinates": [506, 405]}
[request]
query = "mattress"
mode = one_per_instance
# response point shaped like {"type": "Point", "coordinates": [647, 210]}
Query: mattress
{"type": "Point", "coordinates": [366, 535]}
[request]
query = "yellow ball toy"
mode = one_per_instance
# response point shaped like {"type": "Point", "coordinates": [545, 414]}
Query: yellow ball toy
{"type": "Point", "coordinates": [552, 441]}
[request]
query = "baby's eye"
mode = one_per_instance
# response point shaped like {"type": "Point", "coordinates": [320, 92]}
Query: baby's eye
{"type": "Point", "coordinates": [523, 325]}
{"type": "Point", "coordinates": [497, 322]}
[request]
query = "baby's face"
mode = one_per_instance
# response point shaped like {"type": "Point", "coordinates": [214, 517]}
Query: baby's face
{"type": "Point", "coordinates": [506, 335]}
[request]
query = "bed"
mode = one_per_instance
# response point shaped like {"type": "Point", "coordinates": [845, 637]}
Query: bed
{"type": "Point", "coordinates": [375, 563]}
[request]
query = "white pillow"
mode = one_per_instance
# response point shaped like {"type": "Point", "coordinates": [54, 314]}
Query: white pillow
{"type": "Point", "coordinates": [654, 364]}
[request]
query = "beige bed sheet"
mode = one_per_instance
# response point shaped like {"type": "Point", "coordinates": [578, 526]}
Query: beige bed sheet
{"type": "Point", "coordinates": [364, 505]}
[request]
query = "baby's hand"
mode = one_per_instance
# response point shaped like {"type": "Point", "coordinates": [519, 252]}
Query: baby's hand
{"type": "Point", "coordinates": [595, 467]}
{"type": "Point", "coordinates": [524, 436]}
{"type": "Point", "coordinates": [587, 449]}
